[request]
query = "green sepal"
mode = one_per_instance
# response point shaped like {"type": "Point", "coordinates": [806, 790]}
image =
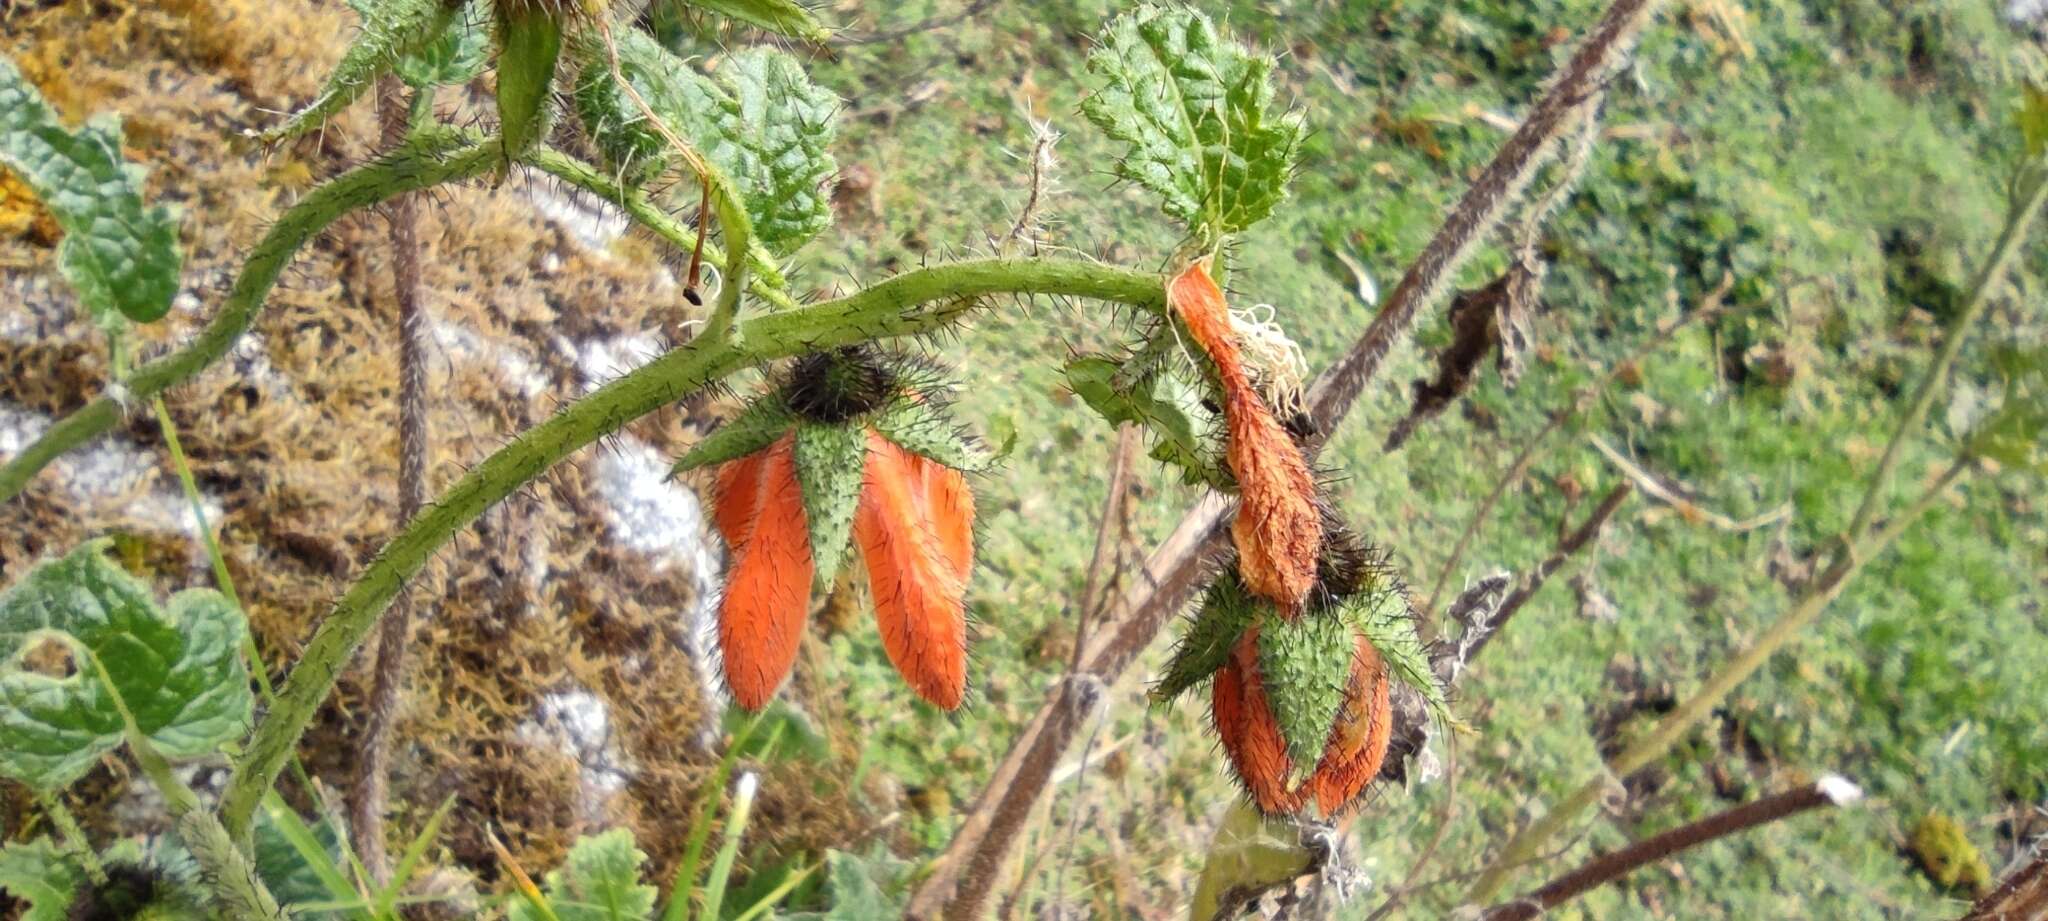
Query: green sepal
{"type": "Point", "coordinates": [831, 461]}
{"type": "Point", "coordinates": [1305, 665]}
{"type": "Point", "coordinates": [756, 427]}
{"type": "Point", "coordinates": [120, 255]}
{"type": "Point", "coordinates": [391, 30]}
{"type": "Point", "coordinates": [923, 429]}
{"type": "Point", "coordinates": [1227, 610]}
{"type": "Point", "coordinates": [1381, 614]}
{"type": "Point", "coordinates": [175, 670]}
{"type": "Point", "coordinates": [529, 45]}
{"type": "Point", "coordinates": [1172, 419]}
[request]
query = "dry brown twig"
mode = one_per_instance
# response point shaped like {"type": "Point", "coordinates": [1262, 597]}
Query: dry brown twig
{"type": "Point", "coordinates": [1830, 790]}
{"type": "Point", "coordinates": [965, 872]}
{"type": "Point", "coordinates": [371, 790]}
{"type": "Point", "coordinates": [2023, 896]}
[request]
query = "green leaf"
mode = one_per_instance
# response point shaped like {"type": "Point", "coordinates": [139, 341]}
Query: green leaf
{"type": "Point", "coordinates": [861, 886]}
{"type": "Point", "coordinates": [458, 55]}
{"type": "Point", "coordinates": [1171, 420]}
{"type": "Point", "coordinates": [600, 881]}
{"type": "Point", "coordinates": [41, 874]}
{"type": "Point", "coordinates": [1226, 611]}
{"type": "Point", "coordinates": [1382, 615]}
{"type": "Point", "coordinates": [175, 671]}
{"type": "Point", "coordinates": [300, 863]}
{"type": "Point", "coordinates": [795, 733]}
{"type": "Point", "coordinates": [756, 427]}
{"type": "Point", "coordinates": [783, 17]}
{"type": "Point", "coordinates": [758, 121]}
{"type": "Point", "coordinates": [1195, 110]}
{"type": "Point", "coordinates": [1305, 664]}
{"type": "Point", "coordinates": [529, 45]}
{"type": "Point", "coordinates": [923, 429]}
{"type": "Point", "coordinates": [120, 254]}
{"type": "Point", "coordinates": [830, 463]}
{"type": "Point", "coordinates": [2016, 434]}
{"type": "Point", "coordinates": [391, 30]}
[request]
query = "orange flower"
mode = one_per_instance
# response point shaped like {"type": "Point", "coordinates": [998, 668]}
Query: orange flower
{"type": "Point", "coordinates": [1258, 753]}
{"type": "Point", "coordinates": [1278, 531]}
{"type": "Point", "coordinates": [914, 525]}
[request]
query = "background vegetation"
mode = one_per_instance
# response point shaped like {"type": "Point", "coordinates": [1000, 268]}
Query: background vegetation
{"type": "Point", "coordinates": [1830, 171]}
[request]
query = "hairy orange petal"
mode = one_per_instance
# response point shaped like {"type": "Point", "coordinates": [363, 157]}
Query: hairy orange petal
{"type": "Point", "coordinates": [949, 505]}
{"type": "Point", "coordinates": [919, 598]}
{"type": "Point", "coordinates": [1359, 738]}
{"type": "Point", "coordinates": [1251, 738]}
{"type": "Point", "coordinates": [1278, 532]}
{"type": "Point", "coordinates": [767, 593]}
{"type": "Point", "coordinates": [736, 498]}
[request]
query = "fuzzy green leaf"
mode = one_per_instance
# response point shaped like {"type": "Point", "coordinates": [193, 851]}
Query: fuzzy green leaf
{"type": "Point", "coordinates": [1305, 665]}
{"type": "Point", "coordinates": [1226, 611]}
{"type": "Point", "coordinates": [176, 671]}
{"type": "Point", "coordinates": [1196, 111]}
{"type": "Point", "coordinates": [1382, 615]}
{"type": "Point", "coordinates": [830, 463]}
{"type": "Point", "coordinates": [120, 254]}
{"type": "Point", "coordinates": [756, 427]}
{"type": "Point", "coordinates": [861, 887]}
{"type": "Point", "coordinates": [922, 429]}
{"type": "Point", "coordinates": [763, 127]}
{"type": "Point", "coordinates": [2016, 434]}
{"type": "Point", "coordinates": [38, 873]}
{"type": "Point", "coordinates": [391, 30]}
{"type": "Point", "coordinates": [783, 17]}
{"type": "Point", "coordinates": [600, 881]}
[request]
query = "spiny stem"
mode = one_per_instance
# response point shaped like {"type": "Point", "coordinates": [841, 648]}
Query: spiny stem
{"type": "Point", "coordinates": [908, 304]}
{"type": "Point", "coordinates": [430, 159]}
{"type": "Point", "coordinates": [1856, 546]}
{"type": "Point", "coordinates": [387, 673]}
{"type": "Point", "coordinates": [73, 836]}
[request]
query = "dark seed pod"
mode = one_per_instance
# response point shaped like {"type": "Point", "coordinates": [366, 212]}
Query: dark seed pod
{"type": "Point", "coordinates": [130, 889]}
{"type": "Point", "coordinates": [836, 386]}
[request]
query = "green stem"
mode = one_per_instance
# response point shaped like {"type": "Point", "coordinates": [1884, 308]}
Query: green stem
{"type": "Point", "coordinates": [1855, 547]}
{"type": "Point", "coordinates": [915, 302]}
{"type": "Point", "coordinates": [428, 160]}
{"type": "Point", "coordinates": [2025, 206]}
{"type": "Point", "coordinates": [73, 836]}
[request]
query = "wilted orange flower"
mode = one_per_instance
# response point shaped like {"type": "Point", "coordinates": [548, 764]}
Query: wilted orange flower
{"type": "Point", "coordinates": [914, 527]}
{"type": "Point", "coordinates": [1258, 753]}
{"type": "Point", "coordinates": [1278, 531]}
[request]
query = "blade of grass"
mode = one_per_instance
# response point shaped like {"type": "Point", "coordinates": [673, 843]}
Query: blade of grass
{"type": "Point", "coordinates": [527, 889]}
{"type": "Point", "coordinates": [775, 896]}
{"type": "Point", "coordinates": [729, 849]}
{"type": "Point", "coordinates": [302, 840]}
{"type": "Point", "coordinates": [700, 827]}
{"type": "Point", "coordinates": [401, 874]}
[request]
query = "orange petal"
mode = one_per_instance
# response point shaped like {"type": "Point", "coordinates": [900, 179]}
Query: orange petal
{"type": "Point", "coordinates": [1359, 738]}
{"type": "Point", "coordinates": [1251, 738]}
{"type": "Point", "coordinates": [1278, 532]}
{"type": "Point", "coordinates": [949, 505]}
{"type": "Point", "coordinates": [919, 598]}
{"type": "Point", "coordinates": [767, 593]}
{"type": "Point", "coordinates": [736, 498]}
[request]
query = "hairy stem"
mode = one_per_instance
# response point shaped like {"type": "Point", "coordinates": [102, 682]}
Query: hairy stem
{"type": "Point", "coordinates": [1607, 868]}
{"type": "Point", "coordinates": [912, 303]}
{"type": "Point", "coordinates": [387, 675]}
{"type": "Point", "coordinates": [426, 161]}
{"type": "Point", "coordinates": [72, 835]}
